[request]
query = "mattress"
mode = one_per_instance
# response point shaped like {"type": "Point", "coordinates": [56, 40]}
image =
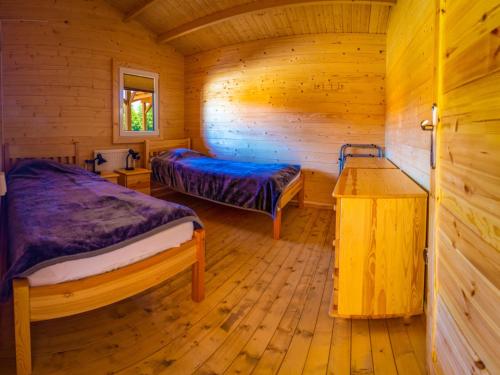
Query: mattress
{"type": "Point", "coordinates": [120, 257]}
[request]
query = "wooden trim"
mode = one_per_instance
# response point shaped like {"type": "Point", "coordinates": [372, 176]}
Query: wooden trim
{"type": "Point", "coordinates": [22, 326]}
{"type": "Point", "coordinates": [198, 268]}
{"type": "Point", "coordinates": [291, 190]}
{"type": "Point", "coordinates": [252, 7]}
{"type": "Point", "coordinates": [296, 188]}
{"type": "Point", "coordinates": [138, 9]}
{"type": "Point", "coordinates": [90, 293]}
{"type": "Point", "coordinates": [74, 297]}
{"type": "Point", "coordinates": [66, 154]}
{"type": "Point", "coordinates": [277, 225]}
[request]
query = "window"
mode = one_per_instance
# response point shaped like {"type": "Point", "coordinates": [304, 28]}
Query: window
{"type": "Point", "coordinates": [138, 103]}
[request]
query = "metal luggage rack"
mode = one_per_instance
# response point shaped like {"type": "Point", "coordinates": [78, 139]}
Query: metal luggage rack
{"type": "Point", "coordinates": [343, 155]}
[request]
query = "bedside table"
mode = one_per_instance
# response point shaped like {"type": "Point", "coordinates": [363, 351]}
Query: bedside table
{"type": "Point", "coordinates": [110, 176]}
{"type": "Point", "coordinates": [138, 179]}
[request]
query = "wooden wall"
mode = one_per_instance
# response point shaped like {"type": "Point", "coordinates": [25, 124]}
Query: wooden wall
{"type": "Point", "coordinates": [467, 335]}
{"type": "Point", "coordinates": [410, 87]}
{"type": "Point", "coordinates": [291, 99]}
{"type": "Point", "coordinates": [56, 71]}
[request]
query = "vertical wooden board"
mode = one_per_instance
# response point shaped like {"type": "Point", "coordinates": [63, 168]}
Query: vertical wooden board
{"type": "Point", "coordinates": [355, 279]}
{"type": "Point", "coordinates": [361, 350]}
{"type": "Point", "coordinates": [404, 356]}
{"type": "Point", "coordinates": [381, 265]}
{"type": "Point", "coordinates": [383, 360]}
{"type": "Point", "coordinates": [340, 350]}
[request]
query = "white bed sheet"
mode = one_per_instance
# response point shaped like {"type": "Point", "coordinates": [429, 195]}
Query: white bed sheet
{"type": "Point", "coordinates": [142, 249]}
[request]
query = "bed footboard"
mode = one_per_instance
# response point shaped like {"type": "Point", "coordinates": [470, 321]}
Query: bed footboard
{"type": "Point", "coordinates": [74, 297]}
{"type": "Point", "coordinates": [297, 188]}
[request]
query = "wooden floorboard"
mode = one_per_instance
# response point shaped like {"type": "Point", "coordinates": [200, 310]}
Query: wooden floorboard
{"type": "Point", "coordinates": [265, 312]}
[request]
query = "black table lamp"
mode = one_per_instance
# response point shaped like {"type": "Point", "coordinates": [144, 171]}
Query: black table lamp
{"type": "Point", "coordinates": [135, 156]}
{"type": "Point", "coordinates": [98, 159]}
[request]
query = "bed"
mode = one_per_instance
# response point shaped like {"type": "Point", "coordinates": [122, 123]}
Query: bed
{"type": "Point", "coordinates": [122, 257]}
{"type": "Point", "coordinates": [265, 188]}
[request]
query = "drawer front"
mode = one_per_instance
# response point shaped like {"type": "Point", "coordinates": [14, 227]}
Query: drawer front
{"type": "Point", "coordinates": [380, 262]}
{"type": "Point", "coordinates": [138, 182]}
{"type": "Point", "coordinates": [112, 179]}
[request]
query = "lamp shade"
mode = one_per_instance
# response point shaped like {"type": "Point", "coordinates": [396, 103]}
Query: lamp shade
{"type": "Point", "coordinates": [3, 184]}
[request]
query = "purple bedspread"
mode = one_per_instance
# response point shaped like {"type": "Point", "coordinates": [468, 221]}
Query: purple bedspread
{"type": "Point", "coordinates": [61, 212]}
{"type": "Point", "coordinates": [246, 185]}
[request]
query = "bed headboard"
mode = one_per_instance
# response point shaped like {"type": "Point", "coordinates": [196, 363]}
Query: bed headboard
{"type": "Point", "coordinates": [153, 148]}
{"type": "Point", "coordinates": [66, 154]}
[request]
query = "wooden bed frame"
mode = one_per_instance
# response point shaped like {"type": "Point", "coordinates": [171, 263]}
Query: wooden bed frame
{"type": "Point", "coordinates": [153, 148]}
{"type": "Point", "coordinates": [73, 297]}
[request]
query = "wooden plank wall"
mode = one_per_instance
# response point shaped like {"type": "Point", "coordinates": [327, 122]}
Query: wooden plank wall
{"type": "Point", "coordinates": [410, 90]}
{"type": "Point", "coordinates": [57, 82]}
{"type": "Point", "coordinates": [467, 335]}
{"type": "Point", "coordinates": [291, 99]}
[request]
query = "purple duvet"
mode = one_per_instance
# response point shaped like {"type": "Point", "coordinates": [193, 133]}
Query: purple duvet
{"type": "Point", "coordinates": [246, 185]}
{"type": "Point", "coordinates": [61, 212]}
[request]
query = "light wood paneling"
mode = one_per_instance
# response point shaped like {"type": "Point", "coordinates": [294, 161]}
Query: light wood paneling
{"type": "Point", "coordinates": [380, 239]}
{"type": "Point", "coordinates": [467, 333]}
{"type": "Point", "coordinates": [56, 69]}
{"type": "Point", "coordinates": [410, 90]}
{"type": "Point", "coordinates": [273, 21]}
{"type": "Point", "coordinates": [266, 309]}
{"type": "Point", "coordinates": [291, 100]}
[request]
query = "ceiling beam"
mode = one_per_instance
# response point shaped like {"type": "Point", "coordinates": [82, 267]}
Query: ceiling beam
{"type": "Point", "coordinates": [256, 6]}
{"type": "Point", "coordinates": [137, 10]}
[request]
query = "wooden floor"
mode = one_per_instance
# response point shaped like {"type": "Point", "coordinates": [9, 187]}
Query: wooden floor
{"type": "Point", "coordinates": [266, 311]}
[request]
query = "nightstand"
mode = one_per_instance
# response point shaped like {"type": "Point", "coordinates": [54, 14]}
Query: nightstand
{"type": "Point", "coordinates": [138, 179]}
{"type": "Point", "coordinates": [110, 176]}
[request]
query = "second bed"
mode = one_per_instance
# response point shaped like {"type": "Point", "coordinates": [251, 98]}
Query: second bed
{"type": "Point", "coordinates": [265, 188]}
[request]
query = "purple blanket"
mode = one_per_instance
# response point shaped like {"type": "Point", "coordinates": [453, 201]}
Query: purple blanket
{"type": "Point", "coordinates": [246, 185]}
{"type": "Point", "coordinates": [61, 212]}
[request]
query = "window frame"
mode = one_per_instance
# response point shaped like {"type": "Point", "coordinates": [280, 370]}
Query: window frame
{"type": "Point", "coordinates": [123, 136]}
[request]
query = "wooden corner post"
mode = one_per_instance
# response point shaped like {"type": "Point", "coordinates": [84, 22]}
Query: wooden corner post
{"type": "Point", "coordinates": [302, 192]}
{"type": "Point", "coordinates": [198, 268]}
{"type": "Point", "coordinates": [22, 326]}
{"type": "Point", "coordinates": [277, 224]}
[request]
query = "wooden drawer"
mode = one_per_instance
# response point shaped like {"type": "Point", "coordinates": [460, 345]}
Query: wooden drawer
{"type": "Point", "coordinates": [138, 182]}
{"type": "Point", "coordinates": [138, 179]}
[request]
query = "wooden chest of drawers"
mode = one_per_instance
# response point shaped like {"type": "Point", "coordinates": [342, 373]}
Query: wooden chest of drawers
{"type": "Point", "coordinates": [138, 179]}
{"type": "Point", "coordinates": [379, 247]}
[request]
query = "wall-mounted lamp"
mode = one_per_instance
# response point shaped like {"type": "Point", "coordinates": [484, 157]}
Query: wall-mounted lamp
{"type": "Point", "coordinates": [134, 156]}
{"type": "Point", "coordinates": [3, 184]}
{"type": "Point", "coordinates": [98, 159]}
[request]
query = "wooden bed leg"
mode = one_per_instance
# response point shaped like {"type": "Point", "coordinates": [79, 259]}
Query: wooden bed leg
{"type": "Point", "coordinates": [198, 269]}
{"type": "Point", "coordinates": [302, 192]}
{"type": "Point", "coordinates": [22, 326]}
{"type": "Point", "coordinates": [277, 224]}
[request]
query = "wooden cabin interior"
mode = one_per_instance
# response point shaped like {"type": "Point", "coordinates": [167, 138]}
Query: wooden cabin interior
{"type": "Point", "coordinates": [368, 133]}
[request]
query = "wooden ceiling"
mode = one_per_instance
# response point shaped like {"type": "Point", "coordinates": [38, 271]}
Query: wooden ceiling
{"type": "Point", "coordinates": [198, 25]}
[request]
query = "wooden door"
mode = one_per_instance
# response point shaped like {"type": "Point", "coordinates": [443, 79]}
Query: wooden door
{"type": "Point", "coordinates": [465, 329]}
